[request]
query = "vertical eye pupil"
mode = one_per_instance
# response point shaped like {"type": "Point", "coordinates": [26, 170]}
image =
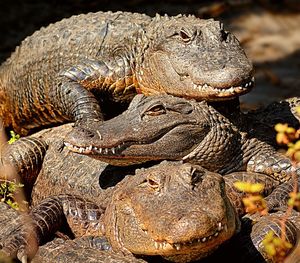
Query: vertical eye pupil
{"type": "Point", "coordinates": [184, 36]}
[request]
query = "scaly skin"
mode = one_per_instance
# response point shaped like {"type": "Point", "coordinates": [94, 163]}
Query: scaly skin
{"type": "Point", "coordinates": [63, 71]}
{"type": "Point", "coordinates": [165, 127]}
{"type": "Point", "coordinates": [89, 250]}
{"type": "Point", "coordinates": [74, 196]}
{"type": "Point", "coordinates": [151, 213]}
{"type": "Point", "coordinates": [262, 121]}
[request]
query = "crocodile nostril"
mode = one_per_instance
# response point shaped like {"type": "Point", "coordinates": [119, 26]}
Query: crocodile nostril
{"type": "Point", "coordinates": [91, 135]}
{"type": "Point", "coordinates": [224, 35]}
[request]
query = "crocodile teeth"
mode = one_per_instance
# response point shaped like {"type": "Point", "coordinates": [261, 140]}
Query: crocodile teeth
{"type": "Point", "coordinates": [220, 226]}
{"type": "Point", "coordinates": [231, 90]}
{"type": "Point", "coordinates": [90, 148]}
{"type": "Point", "coordinates": [178, 246]}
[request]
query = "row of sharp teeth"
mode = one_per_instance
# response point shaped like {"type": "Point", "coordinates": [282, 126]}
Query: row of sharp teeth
{"type": "Point", "coordinates": [229, 90]}
{"type": "Point", "coordinates": [91, 148]}
{"type": "Point", "coordinates": [162, 244]}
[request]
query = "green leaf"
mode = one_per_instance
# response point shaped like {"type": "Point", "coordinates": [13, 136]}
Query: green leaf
{"type": "Point", "coordinates": [14, 137]}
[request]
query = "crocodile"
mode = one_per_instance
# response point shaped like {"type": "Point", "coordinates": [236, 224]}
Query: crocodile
{"type": "Point", "coordinates": [131, 212]}
{"type": "Point", "coordinates": [69, 69]}
{"type": "Point", "coordinates": [164, 127]}
{"type": "Point", "coordinates": [67, 191]}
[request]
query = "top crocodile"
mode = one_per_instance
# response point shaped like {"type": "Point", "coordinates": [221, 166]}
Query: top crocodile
{"type": "Point", "coordinates": [59, 73]}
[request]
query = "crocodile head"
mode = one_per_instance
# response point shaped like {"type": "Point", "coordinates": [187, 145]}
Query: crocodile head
{"type": "Point", "coordinates": [158, 128]}
{"type": "Point", "coordinates": [179, 211]}
{"type": "Point", "coordinates": [193, 58]}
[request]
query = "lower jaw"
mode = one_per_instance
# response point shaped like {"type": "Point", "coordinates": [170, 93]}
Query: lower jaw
{"type": "Point", "coordinates": [190, 256]}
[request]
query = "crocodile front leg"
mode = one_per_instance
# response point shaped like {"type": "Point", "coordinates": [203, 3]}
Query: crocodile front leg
{"type": "Point", "coordinates": [73, 95]}
{"type": "Point", "coordinates": [16, 239]}
{"type": "Point", "coordinates": [25, 156]}
{"type": "Point", "coordinates": [33, 229]}
{"type": "Point", "coordinates": [83, 217]}
{"type": "Point", "coordinates": [51, 215]}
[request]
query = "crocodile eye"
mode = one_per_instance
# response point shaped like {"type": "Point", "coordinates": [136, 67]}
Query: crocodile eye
{"type": "Point", "coordinates": [156, 110]}
{"type": "Point", "coordinates": [153, 184]}
{"type": "Point", "coordinates": [196, 176]}
{"type": "Point", "coordinates": [184, 36]}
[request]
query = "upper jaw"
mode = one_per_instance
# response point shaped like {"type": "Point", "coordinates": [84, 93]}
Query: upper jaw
{"type": "Point", "coordinates": [219, 93]}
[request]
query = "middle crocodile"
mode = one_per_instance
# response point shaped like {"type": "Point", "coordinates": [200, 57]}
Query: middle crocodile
{"type": "Point", "coordinates": [164, 127]}
{"type": "Point", "coordinates": [64, 71]}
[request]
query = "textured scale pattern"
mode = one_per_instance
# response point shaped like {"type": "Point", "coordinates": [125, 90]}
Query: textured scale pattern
{"type": "Point", "coordinates": [70, 70]}
{"type": "Point", "coordinates": [154, 128]}
{"type": "Point", "coordinates": [29, 162]}
{"type": "Point", "coordinates": [80, 250]}
{"type": "Point", "coordinates": [51, 54]}
{"type": "Point", "coordinates": [274, 165]}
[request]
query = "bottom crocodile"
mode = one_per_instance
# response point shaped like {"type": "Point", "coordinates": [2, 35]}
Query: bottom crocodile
{"type": "Point", "coordinates": [155, 212]}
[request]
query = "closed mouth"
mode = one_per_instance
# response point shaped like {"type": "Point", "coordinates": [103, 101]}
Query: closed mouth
{"type": "Point", "coordinates": [162, 245]}
{"type": "Point", "coordinates": [226, 92]}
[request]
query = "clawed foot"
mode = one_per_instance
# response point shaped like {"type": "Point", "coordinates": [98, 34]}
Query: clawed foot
{"type": "Point", "coordinates": [20, 242]}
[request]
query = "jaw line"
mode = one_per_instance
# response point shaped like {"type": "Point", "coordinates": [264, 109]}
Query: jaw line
{"type": "Point", "coordinates": [166, 248]}
{"type": "Point", "coordinates": [116, 150]}
{"type": "Point", "coordinates": [175, 247]}
{"type": "Point", "coordinates": [229, 91]}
